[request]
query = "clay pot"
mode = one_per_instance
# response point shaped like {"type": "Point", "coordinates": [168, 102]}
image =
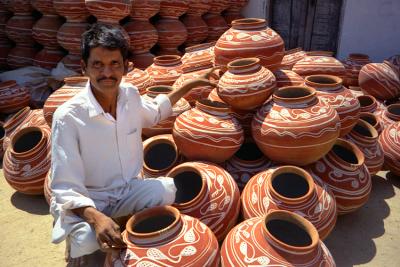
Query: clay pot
{"type": "Point", "coordinates": [287, 78]}
{"type": "Point", "coordinates": [173, 8]}
{"type": "Point", "coordinates": [247, 162]}
{"type": "Point", "coordinates": [27, 161]}
{"type": "Point", "coordinates": [198, 57]}
{"type": "Point", "coordinates": [45, 30]}
{"type": "Point", "coordinates": [48, 58]}
{"type": "Point", "coordinates": [144, 9]}
{"type": "Point", "coordinates": [46, 187]}
{"type": "Point", "coordinates": [320, 53]}
{"type": "Point", "coordinates": [368, 103]}
{"type": "Point", "coordinates": [372, 119]}
{"type": "Point", "coordinates": [331, 91]}
{"type": "Point", "coordinates": [356, 90]}
{"type": "Point", "coordinates": [21, 56]}
{"type": "Point", "coordinates": [165, 70]}
{"type": "Point", "coordinates": [293, 189]}
{"type": "Point", "coordinates": [20, 6]}
{"type": "Point", "coordinates": [313, 65]}
{"type": "Point", "coordinates": [343, 169]}
{"type": "Point", "coordinates": [389, 115]}
{"type": "Point", "coordinates": [13, 97]}
{"type": "Point", "coordinates": [233, 11]}
{"type": "Point", "coordinates": [198, 92]}
{"type": "Point", "coordinates": [379, 80]}
{"type": "Point", "coordinates": [390, 142]}
{"type": "Point", "coordinates": [246, 85]}
{"type": "Point", "coordinates": [160, 155]}
{"type": "Point", "coordinates": [140, 79]}
{"type": "Point", "coordinates": [365, 137]}
{"type": "Point", "coordinates": [280, 238]}
{"type": "Point", "coordinates": [73, 10]}
{"type": "Point", "coordinates": [44, 6]}
{"type": "Point", "coordinates": [207, 192]}
{"type": "Point", "coordinates": [216, 25]}
{"type": "Point", "coordinates": [197, 29]}
{"type": "Point", "coordinates": [109, 12]}
{"type": "Point", "coordinates": [296, 127]}
{"type": "Point", "coordinates": [250, 38]}
{"type": "Point", "coordinates": [291, 57]}
{"type": "Point", "coordinates": [395, 62]}
{"type": "Point", "coordinates": [12, 123]}
{"type": "Point", "coordinates": [167, 237]}
{"type": "Point", "coordinates": [69, 36]}
{"type": "Point", "coordinates": [19, 29]}
{"type": "Point", "coordinates": [353, 64]}
{"type": "Point", "coordinates": [208, 132]}
{"type": "Point", "coordinates": [171, 34]}
{"type": "Point", "coordinates": [72, 86]}
{"type": "Point", "coordinates": [165, 126]}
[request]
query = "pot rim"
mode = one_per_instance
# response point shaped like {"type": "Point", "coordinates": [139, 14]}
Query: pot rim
{"type": "Point", "coordinates": [353, 148]}
{"type": "Point", "coordinates": [161, 139]}
{"type": "Point", "coordinates": [22, 132]}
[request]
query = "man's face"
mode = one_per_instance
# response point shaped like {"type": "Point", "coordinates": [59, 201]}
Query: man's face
{"type": "Point", "coordinates": [105, 68]}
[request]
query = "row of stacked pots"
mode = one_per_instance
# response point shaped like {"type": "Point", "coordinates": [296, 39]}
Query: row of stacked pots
{"type": "Point", "coordinates": [52, 31]}
{"type": "Point", "coordinates": [220, 141]}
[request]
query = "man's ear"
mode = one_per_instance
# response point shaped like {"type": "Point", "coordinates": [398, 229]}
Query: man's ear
{"type": "Point", "coordinates": [83, 67]}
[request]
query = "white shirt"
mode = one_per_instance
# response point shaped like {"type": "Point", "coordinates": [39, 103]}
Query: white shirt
{"type": "Point", "coordinates": [93, 155]}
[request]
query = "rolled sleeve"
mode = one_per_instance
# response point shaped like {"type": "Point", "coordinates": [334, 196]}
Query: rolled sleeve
{"type": "Point", "coordinates": [156, 110]}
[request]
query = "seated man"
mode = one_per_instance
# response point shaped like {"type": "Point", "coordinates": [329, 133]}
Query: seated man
{"type": "Point", "coordinates": [97, 149]}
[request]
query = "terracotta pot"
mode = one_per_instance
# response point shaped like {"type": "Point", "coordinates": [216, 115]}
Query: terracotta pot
{"type": "Point", "coordinates": [45, 30]}
{"type": "Point", "coordinates": [313, 65]}
{"type": "Point", "coordinates": [160, 155]}
{"type": "Point", "coordinates": [379, 80]}
{"type": "Point", "coordinates": [368, 103]}
{"type": "Point", "coordinates": [372, 119]}
{"type": "Point", "coordinates": [296, 127]}
{"type": "Point", "coordinates": [165, 70]}
{"type": "Point", "coordinates": [20, 6]}
{"type": "Point", "coordinates": [250, 38]}
{"type": "Point", "coordinates": [73, 62]}
{"type": "Point", "coordinates": [197, 29]}
{"type": "Point", "coordinates": [331, 91]}
{"type": "Point", "coordinates": [291, 57]}
{"type": "Point", "coordinates": [389, 115]}
{"type": "Point", "coordinates": [280, 238]}
{"type": "Point", "coordinates": [198, 57]}
{"type": "Point", "coordinates": [365, 137]}
{"type": "Point", "coordinates": [356, 90]}
{"type": "Point", "coordinates": [69, 36]}
{"type": "Point", "coordinates": [293, 189]}
{"type": "Point", "coordinates": [217, 6]}
{"type": "Point", "coordinates": [164, 236]}
{"type": "Point", "coordinates": [46, 187]}
{"type": "Point", "coordinates": [199, 92]}
{"type": "Point", "coordinates": [109, 12]}
{"type": "Point", "coordinates": [12, 123]}
{"type": "Point", "coordinates": [246, 85]}
{"type": "Point", "coordinates": [247, 162]}
{"type": "Point", "coordinates": [19, 29]}
{"type": "Point", "coordinates": [216, 25]}
{"type": "Point", "coordinates": [27, 161]}
{"type": "Point", "coordinates": [395, 62]}
{"type": "Point", "coordinates": [72, 86]}
{"type": "Point", "coordinates": [207, 192]}
{"type": "Point", "coordinates": [48, 58]}
{"type": "Point", "coordinates": [173, 8]}
{"type": "Point", "coordinates": [13, 97]}
{"type": "Point", "coordinates": [165, 126]}
{"type": "Point", "coordinates": [343, 169]}
{"type": "Point", "coordinates": [287, 78]}
{"type": "Point", "coordinates": [208, 132]}
{"type": "Point", "coordinates": [353, 64]}
{"type": "Point", "coordinates": [140, 79]}
{"type": "Point", "coordinates": [73, 10]}
{"type": "Point", "coordinates": [171, 34]}
{"type": "Point", "coordinates": [390, 142]}
{"type": "Point", "coordinates": [21, 56]}
{"type": "Point", "coordinates": [233, 11]}
{"type": "Point", "coordinates": [44, 6]}
{"type": "Point", "coordinates": [144, 9]}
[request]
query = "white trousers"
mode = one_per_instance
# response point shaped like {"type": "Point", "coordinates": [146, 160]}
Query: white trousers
{"type": "Point", "coordinates": [141, 194]}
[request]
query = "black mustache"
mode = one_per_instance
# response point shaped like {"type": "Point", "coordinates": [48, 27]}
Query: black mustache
{"type": "Point", "coordinates": [107, 78]}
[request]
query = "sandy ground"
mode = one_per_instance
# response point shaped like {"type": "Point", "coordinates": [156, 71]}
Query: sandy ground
{"type": "Point", "coordinates": [368, 237]}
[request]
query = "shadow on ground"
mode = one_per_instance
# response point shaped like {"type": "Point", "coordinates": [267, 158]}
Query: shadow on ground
{"type": "Point", "coordinates": [31, 204]}
{"type": "Point", "coordinates": [351, 242]}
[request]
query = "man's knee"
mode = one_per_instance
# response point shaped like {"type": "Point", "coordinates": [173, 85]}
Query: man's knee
{"type": "Point", "coordinates": [82, 240]}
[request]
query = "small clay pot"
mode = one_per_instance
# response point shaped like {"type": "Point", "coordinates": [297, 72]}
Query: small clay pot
{"type": "Point", "coordinates": [165, 70]}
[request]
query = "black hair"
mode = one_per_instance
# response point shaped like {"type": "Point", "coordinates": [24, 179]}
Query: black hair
{"type": "Point", "coordinates": [104, 35]}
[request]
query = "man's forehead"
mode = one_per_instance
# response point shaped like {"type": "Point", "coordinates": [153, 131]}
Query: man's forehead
{"type": "Point", "coordinates": [103, 53]}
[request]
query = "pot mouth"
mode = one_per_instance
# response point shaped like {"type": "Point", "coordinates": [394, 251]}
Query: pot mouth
{"type": "Point", "coordinates": [26, 140]}
{"type": "Point", "coordinates": [291, 183]}
{"type": "Point", "coordinates": [366, 100]}
{"type": "Point", "coordinates": [210, 105]}
{"type": "Point", "coordinates": [290, 232]}
{"type": "Point", "coordinates": [189, 184]}
{"type": "Point", "coordinates": [393, 111]}
{"type": "Point", "coordinates": [324, 80]}
{"type": "Point", "coordinates": [244, 65]}
{"type": "Point", "coordinates": [16, 115]}
{"type": "Point", "coordinates": [199, 47]}
{"type": "Point", "coordinates": [249, 23]}
{"type": "Point", "coordinates": [160, 154]}
{"type": "Point", "coordinates": [167, 60]}
{"type": "Point", "coordinates": [7, 84]}
{"type": "Point", "coordinates": [365, 129]}
{"type": "Point", "coordinates": [347, 152]}
{"type": "Point", "coordinates": [369, 118]}
{"type": "Point", "coordinates": [249, 152]}
{"type": "Point", "coordinates": [294, 93]}
{"type": "Point", "coordinates": [159, 89]}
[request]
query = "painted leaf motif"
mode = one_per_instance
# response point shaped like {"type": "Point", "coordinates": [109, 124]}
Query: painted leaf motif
{"type": "Point", "coordinates": [188, 251]}
{"type": "Point", "coordinates": [318, 208]}
{"type": "Point", "coordinates": [189, 236]}
{"type": "Point", "coordinates": [242, 35]}
{"type": "Point", "coordinates": [263, 260]}
{"type": "Point", "coordinates": [154, 253]}
{"type": "Point", "coordinates": [243, 248]}
{"type": "Point", "coordinates": [256, 38]}
{"type": "Point", "coordinates": [146, 264]}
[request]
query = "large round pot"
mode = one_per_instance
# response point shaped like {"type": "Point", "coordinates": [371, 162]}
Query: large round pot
{"type": "Point", "coordinates": [287, 78]}
{"type": "Point", "coordinates": [45, 30]}
{"type": "Point", "coordinates": [19, 29]}
{"type": "Point", "coordinates": [162, 236]}
{"type": "Point", "coordinates": [312, 65]}
{"type": "Point", "coordinates": [144, 9]}
{"type": "Point", "coordinates": [171, 34]}
{"type": "Point", "coordinates": [246, 85]}
{"type": "Point", "coordinates": [280, 238]}
{"type": "Point", "coordinates": [293, 189]}
{"type": "Point", "coordinates": [13, 97]}
{"type": "Point", "coordinates": [353, 64]}
{"type": "Point", "coordinates": [250, 38]}
{"type": "Point", "coordinates": [107, 11]}
{"type": "Point", "coordinates": [365, 137]}
{"type": "Point", "coordinates": [165, 70]}
{"type": "Point", "coordinates": [73, 10]}
{"type": "Point", "coordinates": [165, 126]}
{"type": "Point", "coordinates": [21, 56]}
{"type": "Point", "coordinates": [379, 80]}
{"type": "Point", "coordinates": [343, 169]}
{"type": "Point", "coordinates": [27, 161]}
{"type": "Point", "coordinates": [208, 132]}
{"type": "Point", "coordinates": [69, 36]}
{"type": "Point", "coordinates": [331, 91]}
{"type": "Point", "coordinates": [390, 141]}
{"type": "Point", "coordinates": [198, 57]}
{"type": "Point", "coordinates": [291, 57]}
{"type": "Point", "coordinates": [207, 192]}
{"type": "Point", "coordinates": [296, 127]}
{"type": "Point", "coordinates": [139, 78]}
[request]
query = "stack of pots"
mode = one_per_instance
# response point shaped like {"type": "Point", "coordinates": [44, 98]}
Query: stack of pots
{"type": "Point", "coordinates": [5, 43]}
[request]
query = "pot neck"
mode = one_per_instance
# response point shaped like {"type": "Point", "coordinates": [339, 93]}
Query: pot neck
{"type": "Point", "coordinates": [393, 112]}
{"type": "Point", "coordinates": [364, 133]}
{"type": "Point", "coordinates": [154, 91]}
{"type": "Point", "coordinates": [167, 61]}
{"type": "Point", "coordinates": [295, 96]}
{"type": "Point", "coordinates": [244, 66]}
{"type": "Point", "coordinates": [249, 24]}
{"type": "Point", "coordinates": [346, 154]}
{"type": "Point", "coordinates": [20, 150]}
{"type": "Point", "coordinates": [327, 83]}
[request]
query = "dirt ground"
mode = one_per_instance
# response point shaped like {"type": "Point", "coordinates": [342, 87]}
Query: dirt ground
{"type": "Point", "coordinates": [368, 237]}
